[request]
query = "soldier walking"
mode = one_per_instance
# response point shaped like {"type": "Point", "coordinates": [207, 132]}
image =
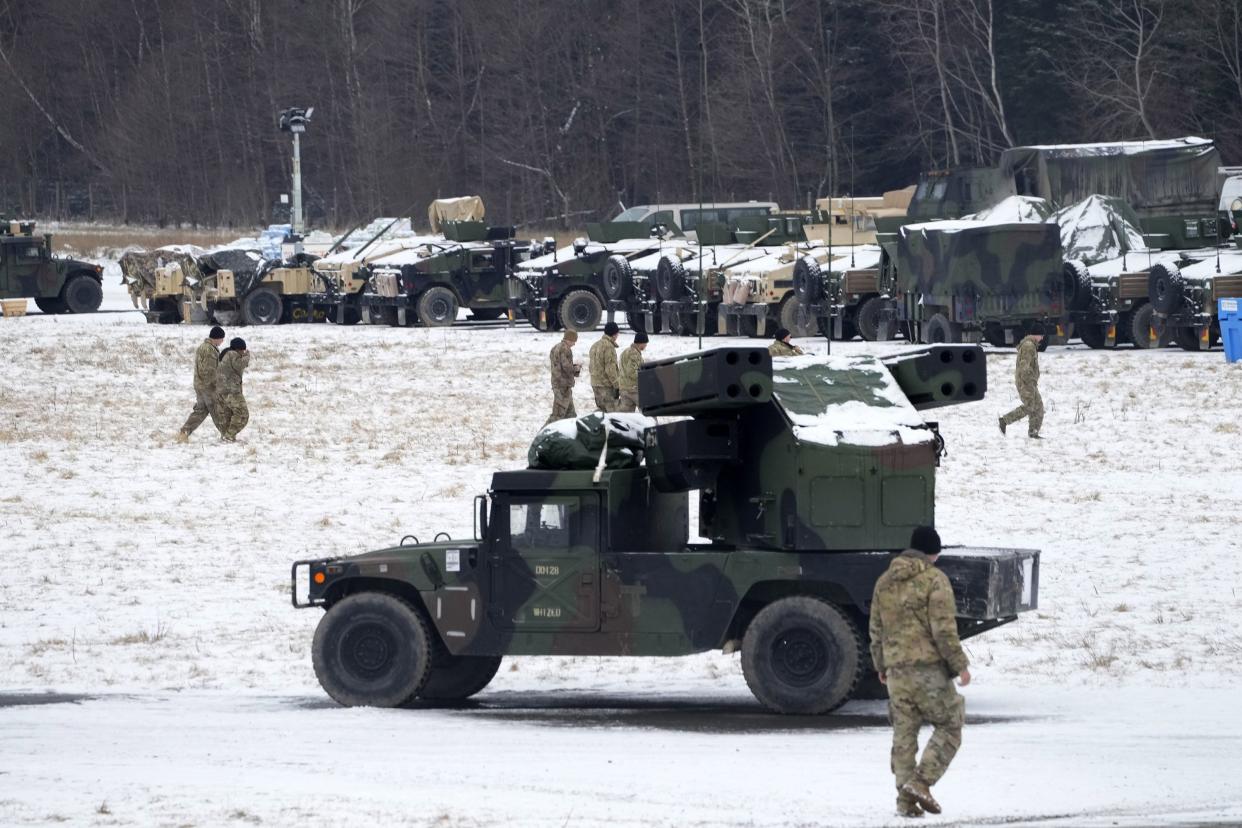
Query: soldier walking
{"type": "Point", "coordinates": [631, 361]}
{"type": "Point", "coordinates": [605, 379]}
{"type": "Point", "coordinates": [206, 364]}
{"type": "Point", "coordinates": [916, 650]}
{"type": "Point", "coordinates": [1026, 377]}
{"type": "Point", "coordinates": [232, 404]}
{"type": "Point", "coordinates": [781, 346]}
{"type": "Point", "coordinates": [564, 375]}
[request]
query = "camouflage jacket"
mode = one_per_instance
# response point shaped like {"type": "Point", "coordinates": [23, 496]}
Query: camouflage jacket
{"type": "Point", "coordinates": [206, 366]}
{"type": "Point", "coordinates": [631, 360]}
{"type": "Point", "coordinates": [1027, 370]}
{"type": "Point", "coordinates": [604, 363]}
{"type": "Point", "coordinates": [231, 367]}
{"type": "Point", "coordinates": [913, 617]}
{"type": "Point", "coordinates": [562, 359]}
{"type": "Point", "coordinates": [780, 349]}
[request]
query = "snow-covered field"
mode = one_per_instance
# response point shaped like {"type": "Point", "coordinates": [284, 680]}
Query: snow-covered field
{"type": "Point", "coordinates": [152, 578]}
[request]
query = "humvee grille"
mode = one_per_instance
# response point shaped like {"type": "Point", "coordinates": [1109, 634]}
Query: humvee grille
{"type": "Point", "coordinates": [1226, 287]}
{"type": "Point", "coordinates": [862, 281]}
{"type": "Point", "coordinates": [1132, 286]}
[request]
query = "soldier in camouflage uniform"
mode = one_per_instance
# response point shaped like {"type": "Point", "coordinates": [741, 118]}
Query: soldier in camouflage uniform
{"type": "Point", "coordinates": [232, 404]}
{"type": "Point", "coordinates": [1026, 377]}
{"type": "Point", "coordinates": [605, 375]}
{"type": "Point", "coordinates": [631, 361]}
{"type": "Point", "coordinates": [564, 375]}
{"type": "Point", "coordinates": [781, 346]}
{"type": "Point", "coordinates": [916, 650]}
{"type": "Point", "coordinates": [206, 362]}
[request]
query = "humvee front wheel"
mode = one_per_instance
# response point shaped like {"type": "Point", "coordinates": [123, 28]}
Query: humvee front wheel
{"type": "Point", "coordinates": [437, 308]}
{"type": "Point", "coordinates": [1094, 336]}
{"type": "Point", "coordinates": [82, 294]}
{"type": "Point", "coordinates": [868, 318]}
{"type": "Point", "coordinates": [454, 678]}
{"type": "Point", "coordinates": [581, 311]}
{"type": "Point", "coordinates": [802, 655]}
{"type": "Point", "coordinates": [371, 649]}
{"type": "Point", "coordinates": [1146, 329]}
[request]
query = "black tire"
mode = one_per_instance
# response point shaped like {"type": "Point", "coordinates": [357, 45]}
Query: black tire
{"type": "Point", "coordinates": [371, 649]}
{"type": "Point", "coordinates": [1165, 287]}
{"type": "Point", "coordinates": [808, 281]}
{"type": "Point", "coordinates": [454, 678]}
{"type": "Point", "coordinates": [618, 277]}
{"type": "Point", "coordinates": [50, 304]}
{"type": "Point", "coordinates": [670, 279]}
{"type": "Point", "coordinates": [168, 311]}
{"type": "Point", "coordinates": [437, 307]}
{"type": "Point", "coordinates": [1143, 321]}
{"type": "Point", "coordinates": [1093, 336]}
{"type": "Point", "coordinates": [581, 311]}
{"type": "Point", "coordinates": [262, 307]}
{"type": "Point", "coordinates": [352, 314]}
{"type": "Point", "coordinates": [870, 688]}
{"type": "Point", "coordinates": [867, 319]}
{"type": "Point", "coordinates": [81, 294]}
{"type": "Point", "coordinates": [994, 335]}
{"type": "Point", "coordinates": [1077, 286]}
{"type": "Point", "coordinates": [383, 315]}
{"type": "Point", "coordinates": [637, 322]}
{"type": "Point", "coordinates": [789, 314]}
{"type": "Point", "coordinates": [802, 655]}
{"type": "Point", "coordinates": [486, 314]}
{"type": "Point", "coordinates": [939, 330]}
{"type": "Point", "coordinates": [1187, 339]}
{"type": "Point", "coordinates": [748, 325]}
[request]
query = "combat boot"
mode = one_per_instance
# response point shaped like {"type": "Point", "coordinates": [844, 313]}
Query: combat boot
{"type": "Point", "coordinates": [908, 806]}
{"type": "Point", "coordinates": [182, 437]}
{"type": "Point", "coordinates": [917, 789]}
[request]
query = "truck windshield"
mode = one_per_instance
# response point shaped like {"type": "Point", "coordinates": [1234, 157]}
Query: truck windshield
{"type": "Point", "coordinates": [633, 214]}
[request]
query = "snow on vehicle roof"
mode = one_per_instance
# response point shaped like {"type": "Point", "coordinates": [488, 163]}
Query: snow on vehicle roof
{"type": "Point", "coordinates": [1230, 265]}
{"type": "Point", "coordinates": [1118, 147]}
{"type": "Point", "coordinates": [566, 253]}
{"type": "Point", "coordinates": [1014, 209]}
{"type": "Point", "coordinates": [845, 400]}
{"type": "Point", "coordinates": [1097, 228]}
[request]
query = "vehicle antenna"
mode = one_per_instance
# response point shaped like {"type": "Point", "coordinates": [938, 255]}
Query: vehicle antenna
{"type": "Point", "coordinates": [853, 216]}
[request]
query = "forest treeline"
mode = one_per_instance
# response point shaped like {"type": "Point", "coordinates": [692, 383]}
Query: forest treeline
{"type": "Point", "coordinates": [559, 110]}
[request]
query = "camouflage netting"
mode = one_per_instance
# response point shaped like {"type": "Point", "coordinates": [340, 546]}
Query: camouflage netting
{"type": "Point", "coordinates": [576, 444]}
{"type": "Point", "coordinates": [1099, 228]}
{"type": "Point", "coordinates": [138, 268]}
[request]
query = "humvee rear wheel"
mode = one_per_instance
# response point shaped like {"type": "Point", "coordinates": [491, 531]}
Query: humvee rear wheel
{"type": "Point", "coordinates": [868, 318]}
{"type": "Point", "coordinates": [1146, 330]}
{"type": "Point", "coordinates": [1094, 336]}
{"type": "Point", "coordinates": [262, 307]}
{"type": "Point", "coordinates": [581, 311]}
{"type": "Point", "coordinates": [82, 294]}
{"type": "Point", "coordinates": [453, 678]}
{"type": "Point", "coordinates": [789, 318]}
{"type": "Point", "coordinates": [437, 307]}
{"type": "Point", "coordinates": [802, 655]}
{"type": "Point", "coordinates": [371, 649]}
{"type": "Point", "coordinates": [50, 304]}
{"type": "Point", "coordinates": [637, 322]}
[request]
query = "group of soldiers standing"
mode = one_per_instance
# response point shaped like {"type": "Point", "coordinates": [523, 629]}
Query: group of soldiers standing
{"type": "Point", "coordinates": [614, 381]}
{"type": "Point", "coordinates": [218, 387]}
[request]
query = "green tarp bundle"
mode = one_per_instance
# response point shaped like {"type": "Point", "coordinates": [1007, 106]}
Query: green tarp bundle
{"type": "Point", "coordinates": [576, 444]}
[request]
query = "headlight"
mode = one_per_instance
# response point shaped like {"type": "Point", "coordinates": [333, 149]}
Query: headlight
{"type": "Point", "coordinates": [580, 245]}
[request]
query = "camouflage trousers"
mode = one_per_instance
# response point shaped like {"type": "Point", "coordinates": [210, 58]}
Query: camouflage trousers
{"type": "Point", "coordinates": [204, 406]}
{"type": "Point", "coordinates": [920, 695]}
{"type": "Point", "coordinates": [233, 414]}
{"type": "Point", "coordinates": [605, 398]}
{"type": "Point", "coordinates": [1032, 406]}
{"type": "Point", "coordinates": [628, 401]}
{"type": "Point", "coordinates": [562, 405]}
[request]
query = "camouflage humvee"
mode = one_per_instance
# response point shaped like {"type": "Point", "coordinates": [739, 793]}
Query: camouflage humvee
{"type": "Point", "coordinates": [808, 474]}
{"type": "Point", "coordinates": [1184, 296]}
{"type": "Point", "coordinates": [29, 270]}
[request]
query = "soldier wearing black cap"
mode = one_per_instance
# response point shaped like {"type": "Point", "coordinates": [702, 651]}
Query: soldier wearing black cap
{"type": "Point", "coordinates": [234, 414]}
{"type": "Point", "coordinates": [781, 346]}
{"type": "Point", "coordinates": [206, 362]}
{"type": "Point", "coordinates": [631, 361]}
{"type": "Point", "coordinates": [917, 653]}
{"type": "Point", "coordinates": [605, 381]}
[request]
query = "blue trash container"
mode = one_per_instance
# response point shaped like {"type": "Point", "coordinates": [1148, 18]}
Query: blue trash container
{"type": "Point", "coordinates": [1230, 327]}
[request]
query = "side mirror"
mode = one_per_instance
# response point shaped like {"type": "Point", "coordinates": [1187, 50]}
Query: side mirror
{"type": "Point", "coordinates": [480, 517]}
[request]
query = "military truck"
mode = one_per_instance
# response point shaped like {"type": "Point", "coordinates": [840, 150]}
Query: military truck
{"type": "Point", "coordinates": [28, 270]}
{"type": "Point", "coordinates": [470, 267]}
{"type": "Point", "coordinates": [808, 474]}
{"type": "Point", "coordinates": [1184, 296]}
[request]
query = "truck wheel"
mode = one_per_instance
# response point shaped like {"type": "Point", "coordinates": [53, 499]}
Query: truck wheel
{"type": "Point", "coordinates": [802, 655]}
{"type": "Point", "coordinates": [748, 325]}
{"type": "Point", "coordinates": [637, 322]}
{"type": "Point", "coordinates": [670, 279]}
{"type": "Point", "coordinates": [383, 315]}
{"type": "Point", "coordinates": [868, 318]}
{"type": "Point", "coordinates": [1093, 336]}
{"type": "Point", "coordinates": [50, 304]}
{"type": "Point", "coordinates": [1077, 285]}
{"type": "Point", "coordinates": [371, 649]}
{"type": "Point", "coordinates": [459, 677]}
{"type": "Point", "coordinates": [1143, 324]}
{"type": "Point", "coordinates": [581, 311]}
{"type": "Point", "coordinates": [808, 281]}
{"type": "Point", "coordinates": [939, 330]}
{"type": "Point", "coordinates": [1165, 287]}
{"type": "Point", "coordinates": [789, 318]}
{"type": "Point", "coordinates": [618, 277]}
{"type": "Point", "coordinates": [437, 307]}
{"type": "Point", "coordinates": [262, 307]}
{"type": "Point", "coordinates": [82, 294]}
{"type": "Point", "coordinates": [869, 687]}
{"type": "Point", "coordinates": [1187, 339]}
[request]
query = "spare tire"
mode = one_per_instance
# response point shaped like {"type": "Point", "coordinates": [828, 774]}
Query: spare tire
{"type": "Point", "coordinates": [1077, 285]}
{"type": "Point", "coordinates": [1165, 287]}
{"type": "Point", "coordinates": [618, 277]}
{"type": "Point", "coordinates": [670, 279]}
{"type": "Point", "coordinates": [808, 280]}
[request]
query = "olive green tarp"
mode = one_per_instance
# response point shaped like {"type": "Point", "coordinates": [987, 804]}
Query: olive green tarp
{"type": "Point", "coordinates": [576, 444]}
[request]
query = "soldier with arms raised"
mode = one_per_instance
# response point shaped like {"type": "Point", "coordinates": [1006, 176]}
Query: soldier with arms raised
{"type": "Point", "coordinates": [564, 375]}
{"type": "Point", "coordinates": [1026, 377]}
{"type": "Point", "coordinates": [605, 375]}
{"type": "Point", "coordinates": [206, 363]}
{"type": "Point", "coordinates": [631, 361]}
{"type": "Point", "coordinates": [917, 652]}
